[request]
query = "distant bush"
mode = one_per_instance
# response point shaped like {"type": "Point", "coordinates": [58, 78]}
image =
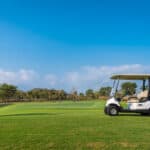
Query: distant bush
{"type": "Point", "coordinates": [10, 93]}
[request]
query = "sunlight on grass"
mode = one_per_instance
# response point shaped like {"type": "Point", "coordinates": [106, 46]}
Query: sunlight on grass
{"type": "Point", "coordinates": [70, 125]}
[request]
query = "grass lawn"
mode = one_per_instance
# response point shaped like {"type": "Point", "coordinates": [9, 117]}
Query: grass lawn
{"type": "Point", "coordinates": [69, 126]}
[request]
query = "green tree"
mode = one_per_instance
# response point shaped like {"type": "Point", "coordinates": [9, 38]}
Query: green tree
{"type": "Point", "coordinates": [7, 92]}
{"type": "Point", "coordinates": [81, 96]}
{"type": "Point", "coordinates": [128, 88]}
{"type": "Point", "coordinates": [105, 91]}
{"type": "Point", "coordinates": [20, 95]}
{"type": "Point", "coordinates": [62, 95]}
{"type": "Point", "coordinates": [90, 94]}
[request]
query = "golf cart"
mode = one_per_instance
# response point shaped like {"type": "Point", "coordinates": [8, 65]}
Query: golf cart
{"type": "Point", "coordinates": [137, 103]}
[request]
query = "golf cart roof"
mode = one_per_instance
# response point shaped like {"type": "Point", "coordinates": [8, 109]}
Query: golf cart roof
{"type": "Point", "coordinates": [131, 77]}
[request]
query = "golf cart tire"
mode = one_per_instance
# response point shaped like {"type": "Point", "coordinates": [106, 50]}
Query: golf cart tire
{"type": "Point", "coordinates": [113, 110]}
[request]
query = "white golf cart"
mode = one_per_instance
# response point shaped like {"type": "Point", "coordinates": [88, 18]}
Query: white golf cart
{"type": "Point", "coordinates": [138, 103]}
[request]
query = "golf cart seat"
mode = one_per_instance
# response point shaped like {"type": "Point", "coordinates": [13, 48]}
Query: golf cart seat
{"type": "Point", "coordinates": [143, 94]}
{"type": "Point", "coordinates": [141, 97]}
{"type": "Point", "coordinates": [133, 99]}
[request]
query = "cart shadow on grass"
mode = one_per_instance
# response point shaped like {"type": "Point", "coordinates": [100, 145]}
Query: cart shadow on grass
{"type": "Point", "coordinates": [133, 115]}
{"type": "Point", "coordinates": [5, 105]}
{"type": "Point", "coordinates": [31, 114]}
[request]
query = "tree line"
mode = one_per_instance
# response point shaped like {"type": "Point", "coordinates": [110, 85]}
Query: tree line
{"type": "Point", "coordinates": [10, 93]}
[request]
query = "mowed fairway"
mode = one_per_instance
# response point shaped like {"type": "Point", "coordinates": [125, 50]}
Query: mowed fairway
{"type": "Point", "coordinates": [69, 126]}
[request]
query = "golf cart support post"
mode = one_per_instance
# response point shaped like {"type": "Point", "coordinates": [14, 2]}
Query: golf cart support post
{"type": "Point", "coordinates": [141, 102]}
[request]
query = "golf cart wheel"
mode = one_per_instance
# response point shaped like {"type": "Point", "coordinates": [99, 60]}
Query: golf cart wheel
{"type": "Point", "coordinates": [113, 111]}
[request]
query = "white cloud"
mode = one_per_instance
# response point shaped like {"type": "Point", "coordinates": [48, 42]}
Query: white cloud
{"type": "Point", "coordinates": [81, 79]}
{"type": "Point", "coordinates": [94, 77]}
{"type": "Point", "coordinates": [27, 75]}
{"type": "Point", "coordinates": [51, 79]}
{"type": "Point", "coordinates": [19, 77]}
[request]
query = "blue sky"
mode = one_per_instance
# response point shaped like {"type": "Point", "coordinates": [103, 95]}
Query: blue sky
{"type": "Point", "coordinates": [52, 43]}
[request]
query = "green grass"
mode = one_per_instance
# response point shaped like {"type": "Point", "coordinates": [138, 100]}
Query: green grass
{"type": "Point", "coordinates": [69, 126]}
